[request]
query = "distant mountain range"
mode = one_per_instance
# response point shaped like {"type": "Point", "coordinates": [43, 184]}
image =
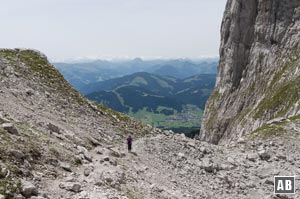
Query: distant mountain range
{"type": "Point", "coordinates": [148, 97]}
{"type": "Point", "coordinates": [82, 74]}
{"type": "Point", "coordinates": [163, 93]}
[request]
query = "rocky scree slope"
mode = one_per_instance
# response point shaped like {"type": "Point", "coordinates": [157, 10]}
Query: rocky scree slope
{"type": "Point", "coordinates": [170, 165]}
{"type": "Point", "coordinates": [258, 74]}
{"type": "Point", "coordinates": [45, 124]}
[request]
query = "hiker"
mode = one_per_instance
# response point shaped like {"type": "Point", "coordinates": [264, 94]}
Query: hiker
{"type": "Point", "coordinates": [129, 143]}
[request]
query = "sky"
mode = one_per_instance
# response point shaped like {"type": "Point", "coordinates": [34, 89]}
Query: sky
{"type": "Point", "coordinates": [113, 29]}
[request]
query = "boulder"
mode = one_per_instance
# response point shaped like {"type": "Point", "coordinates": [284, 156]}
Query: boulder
{"type": "Point", "coordinates": [29, 189]}
{"type": "Point", "coordinates": [252, 157]}
{"type": "Point", "coordinates": [264, 155]}
{"type": "Point", "coordinates": [37, 197]}
{"type": "Point", "coordinates": [99, 152]}
{"type": "Point", "coordinates": [29, 92]}
{"type": "Point", "coordinates": [88, 157]}
{"type": "Point", "coordinates": [66, 166]}
{"type": "Point", "coordinates": [207, 165]}
{"type": "Point", "coordinates": [19, 197]}
{"type": "Point", "coordinates": [203, 149]}
{"type": "Point", "coordinates": [115, 154]}
{"type": "Point", "coordinates": [3, 119]}
{"type": "Point", "coordinates": [10, 128]}
{"type": "Point", "coordinates": [99, 183]}
{"type": "Point", "coordinates": [74, 188]}
{"type": "Point", "coordinates": [83, 194]}
{"type": "Point", "coordinates": [17, 154]}
{"type": "Point", "coordinates": [106, 158]}
{"type": "Point", "coordinates": [87, 172]}
{"type": "Point", "coordinates": [53, 128]}
{"type": "Point", "coordinates": [181, 155]}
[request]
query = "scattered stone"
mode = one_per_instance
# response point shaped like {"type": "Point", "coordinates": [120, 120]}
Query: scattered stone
{"type": "Point", "coordinates": [94, 142]}
{"type": "Point", "coordinates": [53, 128]}
{"type": "Point", "coordinates": [37, 197]}
{"type": "Point", "coordinates": [115, 154]}
{"type": "Point", "coordinates": [66, 166]}
{"type": "Point", "coordinates": [269, 181]}
{"type": "Point", "coordinates": [88, 157]}
{"type": "Point", "coordinates": [276, 120]}
{"type": "Point", "coordinates": [99, 183]}
{"type": "Point", "coordinates": [252, 157]}
{"type": "Point", "coordinates": [3, 119]}
{"type": "Point", "coordinates": [99, 152]}
{"type": "Point", "coordinates": [29, 189]}
{"type": "Point", "coordinates": [207, 165]}
{"type": "Point", "coordinates": [74, 188]}
{"type": "Point", "coordinates": [87, 172]}
{"type": "Point", "coordinates": [191, 144]}
{"type": "Point", "coordinates": [181, 155]}
{"type": "Point", "coordinates": [62, 186]}
{"type": "Point", "coordinates": [4, 172]}
{"type": "Point", "coordinates": [83, 194]}
{"type": "Point", "coordinates": [9, 127]}
{"type": "Point", "coordinates": [264, 155]}
{"type": "Point", "coordinates": [109, 180]}
{"type": "Point", "coordinates": [241, 140]}
{"type": "Point", "coordinates": [123, 154]}
{"type": "Point", "coordinates": [17, 154]}
{"type": "Point", "coordinates": [29, 92]}
{"type": "Point", "coordinates": [19, 197]}
{"type": "Point", "coordinates": [70, 179]}
{"type": "Point", "coordinates": [281, 156]}
{"type": "Point", "coordinates": [203, 149]}
{"type": "Point", "coordinates": [113, 162]}
{"type": "Point", "coordinates": [106, 158]}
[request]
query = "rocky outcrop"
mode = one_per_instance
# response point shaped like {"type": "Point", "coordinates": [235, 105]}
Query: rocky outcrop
{"type": "Point", "coordinates": [258, 74]}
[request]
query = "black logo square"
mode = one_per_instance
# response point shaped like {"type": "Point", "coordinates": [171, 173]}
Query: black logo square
{"type": "Point", "coordinates": [284, 184]}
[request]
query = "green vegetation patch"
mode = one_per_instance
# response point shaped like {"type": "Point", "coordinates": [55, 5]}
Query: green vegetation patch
{"type": "Point", "coordinates": [138, 81]}
{"type": "Point", "coordinates": [161, 82]}
{"type": "Point", "coordinates": [190, 117]}
{"type": "Point", "coordinates": [213, 111]}
{"type": "Point", "coordinates": [9, 187]}
{"type": "Point", "coordinates": [269, 130]}
{"type": "Point", "coordinates": [281, 99]}
{"type": "Point", "coordinates": [294, 118]}
{"type": "Point", "coordinates": [293, 60]}
{"type": "Point", "coordinates": [214, 96]}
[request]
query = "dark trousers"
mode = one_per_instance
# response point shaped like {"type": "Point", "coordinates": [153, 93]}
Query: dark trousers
{"type": "Point", "coordinates": [129, 147]}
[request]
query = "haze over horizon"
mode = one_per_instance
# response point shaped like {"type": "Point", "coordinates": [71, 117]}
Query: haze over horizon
{"type": "Point", "coordinates": [113, 29]}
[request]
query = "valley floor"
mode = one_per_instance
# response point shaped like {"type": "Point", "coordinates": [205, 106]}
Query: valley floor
{"type": "Point", "coordinates": [171, 166]}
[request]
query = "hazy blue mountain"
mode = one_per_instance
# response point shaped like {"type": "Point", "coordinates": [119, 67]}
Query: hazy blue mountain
{"type": "Point", "coordinates": [81, 74]}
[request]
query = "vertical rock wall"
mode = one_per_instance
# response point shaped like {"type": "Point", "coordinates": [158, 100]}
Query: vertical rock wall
{"type": "Point", "coordinates": [258, 71]}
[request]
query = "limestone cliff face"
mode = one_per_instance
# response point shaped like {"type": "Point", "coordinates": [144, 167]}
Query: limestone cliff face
{"type": "Point", "coordinates": [258, 76]}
